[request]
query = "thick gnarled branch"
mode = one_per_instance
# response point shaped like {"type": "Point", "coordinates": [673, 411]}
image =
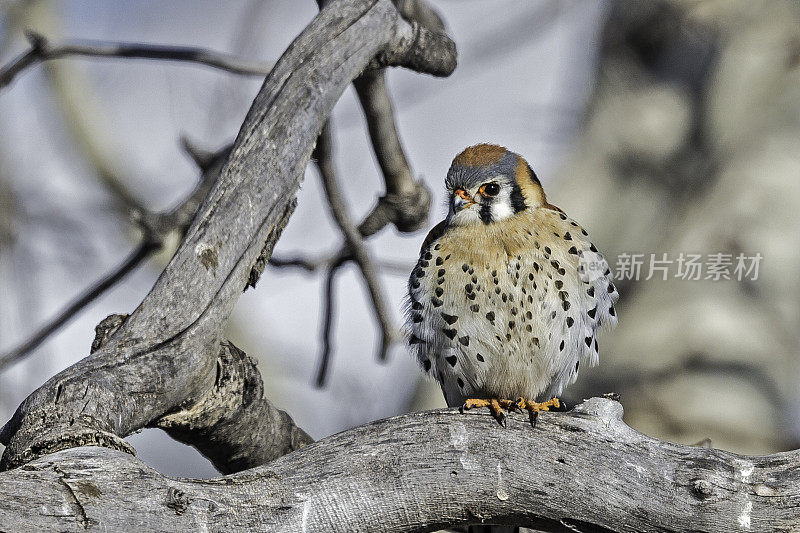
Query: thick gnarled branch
{"type": "Point", "coordinates": [165, 353]}
{"type": "Point", "coordinates": [214, 424]}
{"type": "Point", "coordinates": [583, 471]}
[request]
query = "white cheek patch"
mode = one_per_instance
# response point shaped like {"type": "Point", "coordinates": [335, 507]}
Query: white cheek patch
{"type": "Point", "coordinates": [501, 208]}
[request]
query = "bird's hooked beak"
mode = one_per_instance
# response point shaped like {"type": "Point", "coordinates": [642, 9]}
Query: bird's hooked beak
{"type": "Point", "coordinates": [461, 199]}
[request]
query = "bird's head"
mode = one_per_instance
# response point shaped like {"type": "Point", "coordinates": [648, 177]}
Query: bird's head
{"type": "Point", "coordinates": [487, 183]}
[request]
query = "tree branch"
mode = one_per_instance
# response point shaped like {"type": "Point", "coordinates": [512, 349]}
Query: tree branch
{"type": "Point", "coordinates": [155, 228]}
{"type": "Point", "coordinates": [584, 470]}
{"type": "Point", "coordinates": [165, 353]}
{"type": "Point", "coordinates": [214, 423]}
{"type": "Point", "coordinates": [42, 50]}
{"type": "Point", "coordinates": [139, 254]}
{"type": "Point", "coordinates": [354, 244]}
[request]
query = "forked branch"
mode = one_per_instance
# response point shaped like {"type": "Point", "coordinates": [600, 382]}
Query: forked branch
{"type": "Point", "coordinates": [164, 356]}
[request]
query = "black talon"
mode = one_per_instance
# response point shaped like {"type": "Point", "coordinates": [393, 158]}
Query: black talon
{"type": "Point", "coordinates": [534, 416]}
{"type": "Point", "coordinates": [502, 420]}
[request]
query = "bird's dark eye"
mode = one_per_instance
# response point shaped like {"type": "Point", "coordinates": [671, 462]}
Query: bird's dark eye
{"type": "Point", "coordinates": [489, 189]}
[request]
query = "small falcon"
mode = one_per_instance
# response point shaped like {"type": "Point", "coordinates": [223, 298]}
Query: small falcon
{"type": "Point", "coordinates": [509, 293]}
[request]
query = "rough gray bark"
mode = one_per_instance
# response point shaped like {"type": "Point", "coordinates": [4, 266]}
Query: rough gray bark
{"type": "Point", "coordinates": [583, 471]}
{"type": "Point", "coordinates": [164, 355]}
{"type": "Point", "coordinates": [233, 425]}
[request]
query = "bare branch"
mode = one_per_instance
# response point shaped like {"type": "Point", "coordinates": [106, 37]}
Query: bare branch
{"type": "Point", "coordinates": [584, 470]}
{"type": "Point", "coordinates": [354, 243]}
{"type": "Point", "coordinates": [377, 105]}
{"type": "Point", "coordinates": [384, 266]}
{"type": "Point", "coordinates": [328, 311]}
{"type": "Point", "coordinates": [155, 229]}
{"type": "Point", "coordinates": [309, 265]}
{"type": "Point", "coordinates": [42, 50]}
{"type": "Point", "coordinates": [136, 258]}
{"type": "Point", "coordinates": [165, 353]}
{"type": "Point", "coordinates": [214, 423]}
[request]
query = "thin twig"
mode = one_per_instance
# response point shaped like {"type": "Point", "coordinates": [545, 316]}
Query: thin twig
{"type": "Point", "coordinates": [156, 227]}
{"type": "Point", "coordinates": [406, 203]}
{"type": "Point", "coordinates": [329, 308]}
{"type": "Point", "coordinates": [354, 242]}
{"type": "Point", "coordinates": [141, 253]}
{"type": "Point", "coordinates": [384, 266]}
{"type": "Point", "coordinates": [41, 50]}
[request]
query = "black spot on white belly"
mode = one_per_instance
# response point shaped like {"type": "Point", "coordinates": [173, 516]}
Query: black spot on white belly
{"type": "Point", "coordinates": [450, 319]}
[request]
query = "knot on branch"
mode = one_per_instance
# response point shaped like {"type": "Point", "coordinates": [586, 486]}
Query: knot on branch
{"type": "Point", "coordinates": [608, 408]}
{"type": "Point", "coordinates": [236, 385]}
{"type": "Point", "coordinates": [407, 211]}
{"type": "Point", "coordinates": [37, 41]}
{"type": "Point", "coordinates": [105, 329]}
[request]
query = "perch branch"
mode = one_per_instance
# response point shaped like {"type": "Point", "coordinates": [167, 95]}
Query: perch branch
{"type": "Point", "coordinates": [584, 470]}
{"type": "Point", "coordinates": [42, 50]}
{"type": "Point", "coordinates": [165, 354]}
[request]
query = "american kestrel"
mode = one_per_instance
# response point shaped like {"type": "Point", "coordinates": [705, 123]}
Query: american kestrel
{"type": "Point", "coordinates": [509, 293]}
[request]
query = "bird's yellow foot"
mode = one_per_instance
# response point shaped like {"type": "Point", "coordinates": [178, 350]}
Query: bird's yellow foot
{"type": "Point", "coordinates": [533, 408]}
{"type": "Point", "coordinates": [495, 405]}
